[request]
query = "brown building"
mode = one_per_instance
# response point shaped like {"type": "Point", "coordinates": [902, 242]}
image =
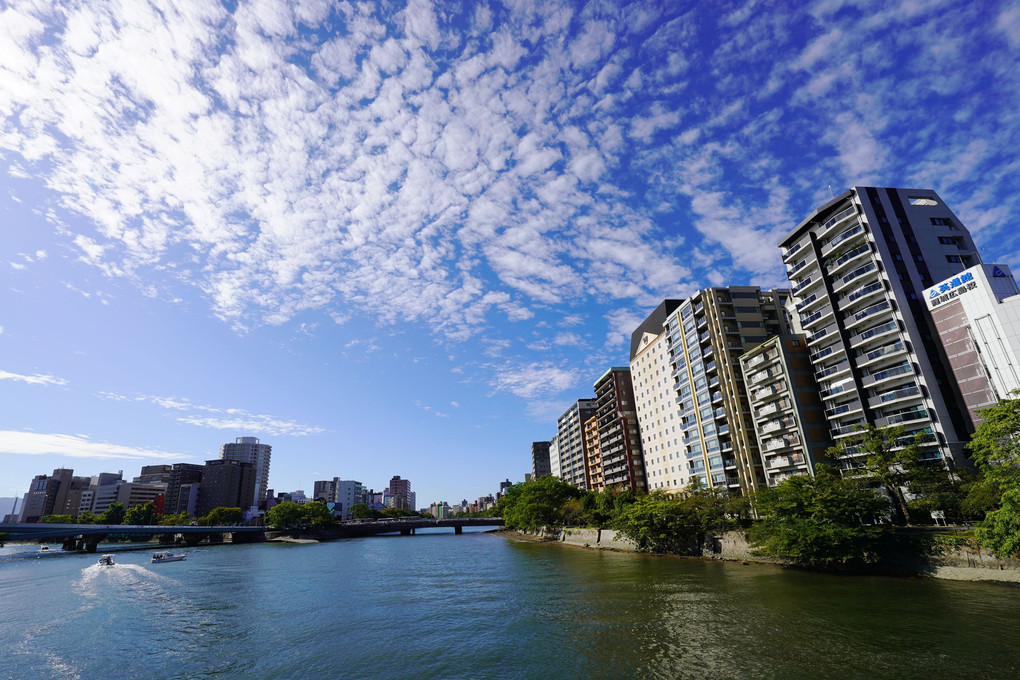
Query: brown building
{"type": "Point", "coordinates": [619, 441]}
{"type": "Point", "coordinates": [226, 484]}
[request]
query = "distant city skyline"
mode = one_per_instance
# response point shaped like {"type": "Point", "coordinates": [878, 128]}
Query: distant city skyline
{"type": "Point", "coordinates": [402, 240]}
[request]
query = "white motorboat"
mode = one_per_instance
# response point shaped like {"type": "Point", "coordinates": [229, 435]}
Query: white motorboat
{"type": "Point", "coordinates": [106, 561]}
{"type": "Point", "coordinates": [168, 557]}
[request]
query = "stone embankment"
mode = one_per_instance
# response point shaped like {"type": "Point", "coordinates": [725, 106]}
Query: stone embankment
{"type": "Point", "coordinates": [961, 562]}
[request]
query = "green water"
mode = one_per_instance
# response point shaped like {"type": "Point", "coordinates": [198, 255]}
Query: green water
{"type": "Point", "coordinates": [481, 606]}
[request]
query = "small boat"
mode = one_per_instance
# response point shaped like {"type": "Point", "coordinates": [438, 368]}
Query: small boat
{"type": "Point", "coordinates": [106, 561]}
{"type": "Point", "coordinates": [168, 557]}
{"type": "Point", "coordinates": [45, 547]}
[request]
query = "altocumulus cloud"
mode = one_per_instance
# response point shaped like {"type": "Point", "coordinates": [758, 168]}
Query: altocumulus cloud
{"type": "Point", "coordinates": [411, 162]}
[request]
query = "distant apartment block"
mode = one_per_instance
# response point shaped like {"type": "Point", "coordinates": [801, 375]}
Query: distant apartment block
{"type": "Point", "coordinates": [251, 450]}
{"type": "Point", "coordinates": [400, 490]}
{"type": "Point", "coordinates": [554, 458]}
{"type": "Point", "coordinates": [619, 442]}
{"type": "Point", "coordinates": [859, 266]}
{"type": "Point", "coordinates": [56, 494]}
{"type": "Point", "coordinates": [540, 459]}
{"type": "Point", "coordinates": [786, 409]}
{"type": "Point", "coordinates": [977, 314]}
{"type": "Point", "coordinates": [570, 442]}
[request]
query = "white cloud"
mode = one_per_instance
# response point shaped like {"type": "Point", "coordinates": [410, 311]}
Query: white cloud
{"type": "Point", "coordinates": [217, 418]}
{"type": "Point", "coordinates": [75, 446]}
{"type": "Point", "coordinates": [33, 379]}
{"type": "Point", "coordinates": [534, 379]}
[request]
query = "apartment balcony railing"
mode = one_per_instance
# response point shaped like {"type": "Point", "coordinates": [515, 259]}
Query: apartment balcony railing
{"type": "Point", "coordinates": [887, 397]}
{"type": "Point", "coordinates": [875, 332]}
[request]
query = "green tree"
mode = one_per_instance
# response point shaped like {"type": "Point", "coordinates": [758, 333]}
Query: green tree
{"type": "Point", "coordinates": [1000, 529]}
{"type": "Point", "coordinates": [995, 448]}
{"type": "Point", "coordinates": [85, 517]}
{"type": "Point", "coordinates": [112, 515]}
{"type": "Point", "coordinates": [285, 515]}
{"type": "Point", "coordinates": [180, 519]}
{"type": "Point", "coordinates": [362, 511]}
{"type": "Point", "coordinates": [317, 514]}
{"type": "Point", "coordinates": [144, 514]}
{"type": "Point", "coordinates": [820, 520]}
{"type": "Point", "coordinates": [57, 519]}
{"type": "Point", "coordinates": [223, 517]}
{"type": "Point", "coordinates": [673, 523]}
{"type": "Point", "coordinates": [535, 504]}
{"type": "Point", "coordinates": [886, 457]}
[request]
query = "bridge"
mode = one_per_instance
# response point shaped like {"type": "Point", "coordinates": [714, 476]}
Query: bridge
{"type": "Point", "coordinates": [86, 537]}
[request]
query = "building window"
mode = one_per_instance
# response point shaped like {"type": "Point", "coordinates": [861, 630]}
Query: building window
{"type": "Point", "coordinates": [947, 240]}
{"type": "Point", "coordinates": [952, 258]}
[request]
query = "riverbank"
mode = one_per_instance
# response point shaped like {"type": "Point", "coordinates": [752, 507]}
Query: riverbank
{"type": "Point", "coordinates": [960, 562]}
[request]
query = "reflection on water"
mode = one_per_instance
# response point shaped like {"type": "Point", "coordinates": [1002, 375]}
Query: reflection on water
{"type": "Point", "coordinates": [477, 606]}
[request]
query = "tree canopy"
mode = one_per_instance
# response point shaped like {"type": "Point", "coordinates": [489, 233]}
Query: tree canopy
{"type": "Point", "coordinates": [995, 448]}
{"type": "Point", "coordinates": [826, 519]}
{"type": "Point", "coordinates": [144, 514]}
{"type": "Point", "coordinates": [535, 504]}
{"type": "Point", "coordinates": [222, 517]}
{"type": "Point", "coordinates": [112, 515]}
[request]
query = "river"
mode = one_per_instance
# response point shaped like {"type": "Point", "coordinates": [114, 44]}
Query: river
{"type": "Point", "coordinates": [482, 606]}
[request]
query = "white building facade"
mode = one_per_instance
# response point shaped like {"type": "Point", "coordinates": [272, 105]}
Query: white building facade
{"type": "Point", "coordinates": [977, 314]}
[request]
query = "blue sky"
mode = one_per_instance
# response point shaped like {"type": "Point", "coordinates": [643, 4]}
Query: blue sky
{"type": "Point", "coordinates": [400, 238]}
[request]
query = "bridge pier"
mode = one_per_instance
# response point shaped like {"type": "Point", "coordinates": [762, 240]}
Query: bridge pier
{"type": "Point", "coordinates": [92, 542]}
{"type": "Point", "coordinates": [70, 543]}
{"type": "Point", "coordinates": [406, 532]}
{"type": "Point", "coordinates": [458, 530]}
{"type": "Point", "coordinates": [191, 540]}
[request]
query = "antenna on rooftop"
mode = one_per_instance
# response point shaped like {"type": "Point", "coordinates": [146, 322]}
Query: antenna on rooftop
{"type": "Point", "coordinates": [830, 192]}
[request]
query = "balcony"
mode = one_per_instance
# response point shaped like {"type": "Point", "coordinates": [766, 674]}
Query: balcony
{"type": "Point", "coordinates": [842, 238]}
{"type": "Point", "coordinates": [842, 409]}
{"type": "Point", "coordinates": [807, 321]}
{"type": "Point", "coordinates": [826, 351]}
{"type": "Point", "coordinates": [836, 219]}
{"type": "Point", "coordinates": [840, 284]}
{"type": "Point", "coordinates": [895, 395]}
{"type": "Point", "coordinates": [903, 417]}
{"type": "Point", "coordinates": [884, 351]}
{"type": "Point", "coordinates": [815, 337]}
{"type": "Point", "coordinates": [833, 266]}
{"type": "Point", "coordinates": [832, 370]}
{"type": "Point", "coordinates": [796, 248]}
{"type": "Point", "coordinates": [876, 332]}
{"type": "Point", "coordinates": [862, 315]}
{"type": "Point", "coordinates": [906, 368]}
{"type": "Point", "coordinates": [860, 293]}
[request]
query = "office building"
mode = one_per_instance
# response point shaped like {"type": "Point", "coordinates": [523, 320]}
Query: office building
{"type": "Point", "coordinates": [56, 494]}
{"type": "Point", "coordinates": [154, 474]}
{"type": "Point", "coordinates": [570, 443]}
{"type": "Point", "coordinates": [250, 450]}
{"type": "Point", "coordinates": [860, 265]}
{"type": "Point", "coordinates": [786, 409]}
{"type": "Point", "coordinates": [977, 315]}
{"type": "Point", "coordinates": [400, 490]}
{"type": "Point", "coordinates": [618, 438]}
{"type": "Point", "coordinates": [324, 491]}
{"type": "Point", "coordinates": [182, 475]}
{"type": "Point", "coordinates": [226, 483]}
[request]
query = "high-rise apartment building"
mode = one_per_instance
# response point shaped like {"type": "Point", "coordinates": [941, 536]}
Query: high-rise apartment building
{"type": "Point", "coordinates": [706, 336]}
{"type": "Point", "coordinates": [658, 412]}
{"type": "Point", "coordinates": [977, 314]}
{"type": "Point", "coordinates": [325, 491]}
{"type": "Point", "coordinates": [56, 494]}
{"type": "Point", "coordinates": [787, 411]}
{"type": "Point", "coordinates": [619, 442]}
{"type": "Point", "coordinates": [540, 459]}
{"type": "Point", "coordinates": [860, 264]}
{"type": "Point", "coordinates": [593, 454]}
{"type": "Point", "coordinates": [250, 450]}
{"type": "Point", "coordinates": [570, 443]}
{"type": "Point", "coordinates": [400, 489]}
